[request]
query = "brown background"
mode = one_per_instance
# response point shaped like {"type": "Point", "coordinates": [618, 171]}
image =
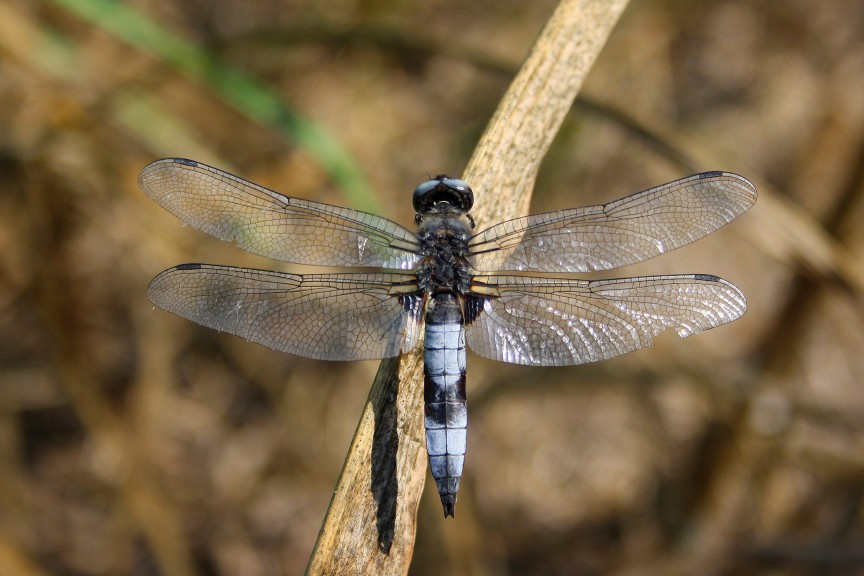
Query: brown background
{"type": "Point", "coordinates": [133, 442]}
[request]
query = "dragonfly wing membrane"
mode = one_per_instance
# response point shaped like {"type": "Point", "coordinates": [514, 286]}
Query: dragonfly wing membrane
{"type": "Point", "coordinates": [561, 322]}
{"type": "Point", "coordinates": [322, 316]}
{"type": "Point", "coordinates": [623, 232]}
{"type": "Point", "coordinates": [265, 222]}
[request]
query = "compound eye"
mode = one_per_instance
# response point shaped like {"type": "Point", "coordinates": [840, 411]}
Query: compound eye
{"type": "Point", "coordinates": [457, 184]}
{"type": "Point", "coordinates": [426, 187]}
{"type": "Point", "coordinates": [466, 195]}
{"type": "Point", "coordinates": [444, 190]}
{"type": "Point", "coordinates": [422, 192]}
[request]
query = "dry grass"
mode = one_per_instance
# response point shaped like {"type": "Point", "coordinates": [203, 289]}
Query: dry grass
{"type": "Point", "coordinates": [133, 442]}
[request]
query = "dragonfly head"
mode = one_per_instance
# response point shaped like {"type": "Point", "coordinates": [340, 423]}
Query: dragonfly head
{"type": "Point", "coordinates": [455, 193]}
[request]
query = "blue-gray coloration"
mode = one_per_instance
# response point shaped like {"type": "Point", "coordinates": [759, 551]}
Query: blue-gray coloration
{"type": "Point", "coordinates": [446, 410]}
{"type": "Point", "coordinates": [430, 278]}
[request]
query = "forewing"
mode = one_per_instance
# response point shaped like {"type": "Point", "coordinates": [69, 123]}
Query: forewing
{"type": "Point", "coordinates": [616, 234]}
{"type": "Point", "coordinates": [267, 223]}
{"type": "Point", "coordinates": [559, 322]}
{"type": "Point", "coordinates": [323, 316]}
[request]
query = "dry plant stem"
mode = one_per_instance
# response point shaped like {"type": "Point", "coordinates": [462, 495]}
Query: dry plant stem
{"type": "Point", "coordinates": [504, 166]}
{"type": "Point", "coordinates": [371, 522]}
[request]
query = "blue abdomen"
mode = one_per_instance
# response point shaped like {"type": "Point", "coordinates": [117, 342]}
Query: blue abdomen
{"type": "Point", "coordinates": [444, 394]}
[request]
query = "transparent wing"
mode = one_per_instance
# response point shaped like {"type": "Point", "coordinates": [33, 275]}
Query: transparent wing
{"type": "Point", "coordinates": [270, 224]}
{"type": "Point", "coordinates": [559, 322]}
{"type": "Point", "coordinates": [619, 233]}
{"type": "Point", "coordinates": [323, 316]}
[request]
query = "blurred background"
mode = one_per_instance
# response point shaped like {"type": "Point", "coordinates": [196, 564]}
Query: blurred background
{"type": "Point", "coordinates": [133, 442]}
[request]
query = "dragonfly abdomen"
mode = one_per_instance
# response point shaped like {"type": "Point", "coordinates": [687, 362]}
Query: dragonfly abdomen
{"type": "Point", "coordinates": [444, 394]}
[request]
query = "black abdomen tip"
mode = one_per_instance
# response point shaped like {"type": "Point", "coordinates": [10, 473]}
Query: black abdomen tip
{"type": "Point", "coordinates": [449, 503]}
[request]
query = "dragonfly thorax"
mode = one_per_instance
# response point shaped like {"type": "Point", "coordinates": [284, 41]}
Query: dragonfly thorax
{"type": "Point", "coordinates": [444, 243]}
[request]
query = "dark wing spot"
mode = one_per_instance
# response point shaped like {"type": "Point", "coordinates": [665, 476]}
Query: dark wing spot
{"type": "Point", "coordinates": [713, 174]}
{"type": "Point", "coordinates": [706, 277]}
{"type": "Point", "coordinates": [189, 267]}
{"type": "Point", "coordinates": [186, 162]}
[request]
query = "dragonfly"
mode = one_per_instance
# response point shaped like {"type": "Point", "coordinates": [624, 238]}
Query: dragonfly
{"type": "Point", "coordinates": [446, 284]}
